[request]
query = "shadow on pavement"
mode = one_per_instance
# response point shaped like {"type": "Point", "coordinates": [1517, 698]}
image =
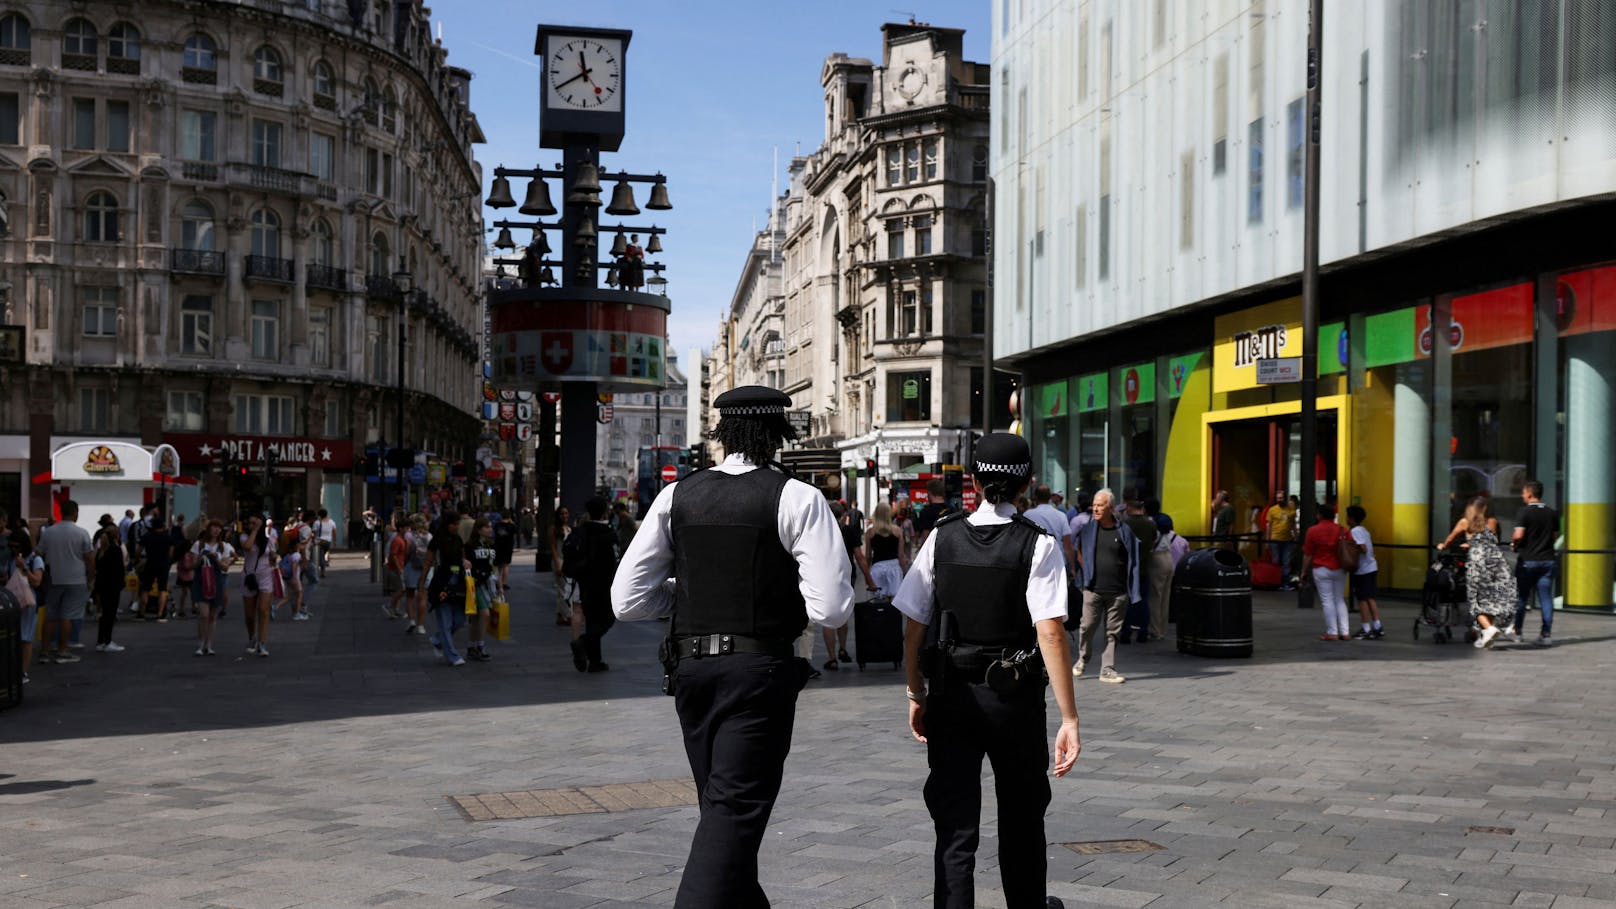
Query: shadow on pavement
{"type": "Point", "coordinates": [28, 787]}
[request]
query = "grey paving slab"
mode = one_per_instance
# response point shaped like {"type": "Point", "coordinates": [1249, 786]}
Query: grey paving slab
{"type": "Point", "coordinates": [1312, 775]}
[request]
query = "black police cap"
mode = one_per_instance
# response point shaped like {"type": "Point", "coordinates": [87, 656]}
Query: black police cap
{"type": "Point", "coordinates": [1003, 454]}
{"type": "Point", "coordinates": [757, 402]}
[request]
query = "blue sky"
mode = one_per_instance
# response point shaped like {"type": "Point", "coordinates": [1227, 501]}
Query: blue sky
{"type": "Point", "coordinates": [714, 88]}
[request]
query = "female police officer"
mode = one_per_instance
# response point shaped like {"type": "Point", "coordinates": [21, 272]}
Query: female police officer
{"type": "Point", "coordinates": [986, 596]}
{"type": "Point", "coordinates": [756, 556]}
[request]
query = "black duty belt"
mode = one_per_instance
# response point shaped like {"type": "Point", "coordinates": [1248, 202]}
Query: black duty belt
{"type": "Point", "coordinates": [708, 645]}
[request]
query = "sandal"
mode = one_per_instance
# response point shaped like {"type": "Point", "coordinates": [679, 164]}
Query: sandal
{"type": "Point", "coordinates": [1328, 637]}
{"type": "Point", "coordinates": [832, 665]}
{"type": "Point", "coordinates": [841, 654]}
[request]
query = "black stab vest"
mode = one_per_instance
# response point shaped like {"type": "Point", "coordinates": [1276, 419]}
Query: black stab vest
{"type": "Point", "coordinates": [734, 576]}
{"type": "Point", "coordinates": [980, 575]}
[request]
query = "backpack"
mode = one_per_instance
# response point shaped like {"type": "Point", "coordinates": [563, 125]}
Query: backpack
{"type": "Point", "coordinates": [575, 554]}
{"type": "Point", "coordinates": [286, 543]}
{"type": "Point", "coordinates": [1346, 550]}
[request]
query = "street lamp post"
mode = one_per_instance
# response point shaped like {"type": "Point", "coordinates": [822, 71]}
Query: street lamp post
{"type": "Point", "coordinates": [405, 282]}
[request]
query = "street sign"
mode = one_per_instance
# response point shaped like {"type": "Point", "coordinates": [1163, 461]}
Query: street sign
{"type": "Point", "coordinates": [1279, 370]}
{"type": "Point", "coordinates": [670, 472]}
{"type": "Point", "coordinates": [799, 421]}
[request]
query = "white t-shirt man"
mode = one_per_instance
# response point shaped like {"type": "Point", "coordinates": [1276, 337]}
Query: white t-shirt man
{"type": "Point", "coordinates": [1366, 559]}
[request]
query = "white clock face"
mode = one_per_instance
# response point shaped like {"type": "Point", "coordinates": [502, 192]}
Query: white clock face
{"type": "Point", "coordinates": [584, 74]}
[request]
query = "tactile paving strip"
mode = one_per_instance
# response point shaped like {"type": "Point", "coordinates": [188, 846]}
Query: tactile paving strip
{"type": "Point", "coordinates": [613, 797]}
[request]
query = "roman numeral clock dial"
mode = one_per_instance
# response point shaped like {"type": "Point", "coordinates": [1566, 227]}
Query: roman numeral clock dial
{"type": "Point", "coordinates": [585, 74]}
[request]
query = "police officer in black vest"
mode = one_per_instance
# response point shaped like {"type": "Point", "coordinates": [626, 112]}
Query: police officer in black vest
{"type": "Point", "coordinates": [986, 603]}
{"type": "Point", "coordinates": [755, 555]}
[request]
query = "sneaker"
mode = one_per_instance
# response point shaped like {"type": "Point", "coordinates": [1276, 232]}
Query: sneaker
{"type": "Point", "coordinates": [111, 647]}
{"type": "Point", "coordinates": [1077, 669]}
{"type": "Point", "coordinates": [46, 656]}
{"type": "Point", "coordinates": [1112, 676]}
{"type": "Point", "coordinates": [74, 645]}
{"type": "Point", "coordinates": [1378, 633]}
{"type": "Point", "coordinates": [388, 611]}
{"type": "Point", "coordinates": [201, 651]}
{"type": "Point", "coordinates": [1510, 635]}
{"type": "Point", "coordinates": [211, 651]}
{"type": "Point", "coordinates": [300, 617]}
{"type": "Point", "coordinates": [410, 629]}
{"type": "Point", "coordinates": [420, 629]}
{"type": "Point", "coordinates": [1485, 639]}
{"type": "Point", "coordinates": [458, 661]}
{"type": "Point", "coordinates": [162, 619]}
{"type": "Point", "coordinates": [1362, 635]}
{"type": "Point", "coordinates": [26, 679]}
{"type": "Point", "coordinates": [252, 646]}
{"type": "Point", "coordinates": [1545, 640]}
{"type": "Point", "coordinates": [481, 655]}
{"type": "Point", "coordinates": [67, 657]}
{"type": "Point", "coordinates": [263, 651]}
{"type": "Point", "coordinates": [437, 650]}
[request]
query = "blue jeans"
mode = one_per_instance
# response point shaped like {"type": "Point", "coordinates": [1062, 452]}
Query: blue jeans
{"type": "Point", "coordinates": [1539, 574]}
{"type": "Point", "coordinates": [449, 617]}
{"type": "Point", "coordinates": [1281, 551]}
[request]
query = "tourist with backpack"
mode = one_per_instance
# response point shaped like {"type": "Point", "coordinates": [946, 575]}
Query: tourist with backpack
{"type": "Point", "coordinates": [416, 541]}
{"type": "Point", "coordinates": [448, 568]}
{"type": "Point", "coordinates": [590, 558]}
{"type": "Point", "coordinates": [214, 556]}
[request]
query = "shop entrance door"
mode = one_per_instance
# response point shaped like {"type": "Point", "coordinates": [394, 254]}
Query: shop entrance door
{"type": "Point", "coordinates": [1251, 457]}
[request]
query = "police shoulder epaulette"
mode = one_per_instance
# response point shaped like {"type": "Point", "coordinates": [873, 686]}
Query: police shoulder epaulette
{"type": "Point", "coordinates": [949, 518]}
{"type": "Point", "coordinates": [1029, 522]}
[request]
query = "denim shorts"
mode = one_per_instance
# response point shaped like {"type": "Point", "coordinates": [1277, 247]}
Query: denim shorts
{"type": "Point", "coordinates": [30, 623]}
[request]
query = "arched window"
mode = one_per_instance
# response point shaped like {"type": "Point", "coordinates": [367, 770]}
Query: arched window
{"type": "Point", "coordinates": [15, 39]}
{"type": "Point", "coordinates": [123, 49]}
{"type": "Point", "coordinates": [266, 233]}
{"type": "Point", "coordinates": [379, 256]}
{"type": "Point", "coordinates": [201, 53]}
{"type": "Point", "coordinates": [373, 101]}
{"type": "Point", "coordinates": [325, 84]}
{"type": "Point", "coordinates": [323, 247]}
{"type": "Point", "coordinates": [389, 109]}
{"type": "Point", "coordinates": [196, 226]}
{"type": "Point", "coordinates": [101, 218]}
{"type": "Point", "coordinates": [79, 45]}
{"type": "Point", "coordinates": [268, 77]}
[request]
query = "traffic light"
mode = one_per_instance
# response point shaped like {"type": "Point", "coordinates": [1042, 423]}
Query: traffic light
{"type": "Point", "coordinates": [870, 469]}
{"type": "Point", "coordinates": [401, 458]}
{"type": "Point", "coordinates": [457, 470]}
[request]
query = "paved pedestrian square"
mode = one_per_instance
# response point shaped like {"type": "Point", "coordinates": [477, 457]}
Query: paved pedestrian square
{"type": "Point", "coordinates": [1391, 773]}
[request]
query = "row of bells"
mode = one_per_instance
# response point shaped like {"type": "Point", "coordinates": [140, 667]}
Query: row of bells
{"type": "Point", "coordinates": [585, 191]}
{"type": "Point", "coordinates": [583, 236]}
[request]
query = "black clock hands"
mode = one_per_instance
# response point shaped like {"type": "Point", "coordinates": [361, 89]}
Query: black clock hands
{"type": "Point", "coordinates": [582, 75]}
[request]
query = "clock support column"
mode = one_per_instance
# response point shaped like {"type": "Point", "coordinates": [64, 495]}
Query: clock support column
{"type": "Point", "coordinates": [578, 399]}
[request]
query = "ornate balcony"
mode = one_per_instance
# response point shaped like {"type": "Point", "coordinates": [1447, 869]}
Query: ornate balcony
{"type": "Point", "coordinates": [327, 277]}
{"type": "Point", "coordinates": [270, 268]}
{"type": "Point", "coordinates": [196, 261]}
{"type": "Point", "coordinates": [202, 171]}
{"type": "Point", "coordinates": [381, 287]}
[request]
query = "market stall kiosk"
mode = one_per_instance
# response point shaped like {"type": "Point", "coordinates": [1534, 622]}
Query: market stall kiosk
{"type": "Point", "coordinates": [109, 478]}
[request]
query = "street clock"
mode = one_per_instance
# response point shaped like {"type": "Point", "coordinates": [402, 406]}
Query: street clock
{"type": "Point", "coordinates": [584, 75]}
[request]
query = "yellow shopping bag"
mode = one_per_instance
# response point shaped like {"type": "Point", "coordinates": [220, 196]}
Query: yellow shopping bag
{"type": "Point", "coordinates": [471, 596]}
{"type": "Point", "coordinates": [499, 620]}
{"type": "Point", "coordinates": [131, 582]}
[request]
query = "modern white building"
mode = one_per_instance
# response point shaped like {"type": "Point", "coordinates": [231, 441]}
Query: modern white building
{"type": "Point", "coordinates": [1148, 174]}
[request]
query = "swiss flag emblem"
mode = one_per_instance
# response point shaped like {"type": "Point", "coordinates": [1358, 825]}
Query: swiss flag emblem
{"type": "Point", "coordinates": [555, 350]}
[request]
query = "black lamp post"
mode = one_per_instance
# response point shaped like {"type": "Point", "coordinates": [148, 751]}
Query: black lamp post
{"type": "Point", "coordinates": [405, 282]}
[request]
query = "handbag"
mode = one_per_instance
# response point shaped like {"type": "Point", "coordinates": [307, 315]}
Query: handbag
{"type": "Point", "coordinates": [210, 580]}
{"type": "Point", "coordinates": [1346, 551]}
{"type": "Point", "coordinates": [499, 620]}
{"type": "Point", "coordinates": [19, 587]}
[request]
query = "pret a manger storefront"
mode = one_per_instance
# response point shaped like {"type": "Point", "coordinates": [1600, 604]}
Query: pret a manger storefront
{"type": "Point", "coordinates": [1421, 408]}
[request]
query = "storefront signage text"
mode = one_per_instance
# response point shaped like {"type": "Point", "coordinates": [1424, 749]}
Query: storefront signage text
{"type": "Point", "coordinates": [102, 460]}
{"type": "Point", "coordinates": [1265, 343]}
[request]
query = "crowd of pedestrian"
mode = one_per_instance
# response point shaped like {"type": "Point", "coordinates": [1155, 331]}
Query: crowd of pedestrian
{"type": "Point", "coordinates": [447, 567]}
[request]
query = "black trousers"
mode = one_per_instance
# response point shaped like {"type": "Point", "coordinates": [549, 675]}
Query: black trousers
{"type": "Point", "coordinates": [106, 598]}
{"type": "Point", "coordinates": [598, 619]}
{"type": "Point", "coordinates": [964, 723]}
{"type": "Point", "coordinates": [737, 713]}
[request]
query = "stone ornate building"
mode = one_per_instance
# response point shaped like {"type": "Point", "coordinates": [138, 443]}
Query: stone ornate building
{"type": "Point", "coordinates": [750, 348]}
{"type": "Point", "coordinates": [204, 207]}
{"type": "Point", "coordinates": [882, 242]}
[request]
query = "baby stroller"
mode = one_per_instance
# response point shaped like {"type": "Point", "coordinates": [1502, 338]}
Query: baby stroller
{"type": "Point", "coordinates": [1443, 597]}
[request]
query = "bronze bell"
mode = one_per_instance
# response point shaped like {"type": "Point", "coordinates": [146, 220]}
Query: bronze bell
{"type": "Point", "coordinates": [618, 245]}
{"type": "Point", "coordinates": [538, 199]}
{"type": "Point", "coordinates": [655, 246]}
{"type": "Point", "coordinates": [501, 196]}
{"type": "Point", "coordinates": [585, 234]}
{"type": "Point", "coordinates": [585, 178]}
{"type": "Point", "coordinates": [659, 197]}
{"type": "Point", "coordinates": [622, 200]}
{"type": "Point", "coordinates": [541, 242]}
{"type": "Point", "coordinates": [546, 276]}
{"type": "Point", "coordinates": [504, 241]}
{"type": "Point", "coordinates": [583, 198]}
{"type": "Point", "coordinates": [611, 276]}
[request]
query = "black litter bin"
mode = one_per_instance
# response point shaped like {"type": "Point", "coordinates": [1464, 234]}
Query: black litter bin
{"type": "Point", "coordinates": [10, 650]}
{"type": "Point", "coordinates": [1211, 604]}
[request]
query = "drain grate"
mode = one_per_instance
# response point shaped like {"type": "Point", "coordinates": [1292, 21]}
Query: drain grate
{"type": "Point", "coordinates": [1112, 847]}
{"type": "Point", "coordinates": [611, 798]}
{"type": "Point", "coordinates": [1503, 831]}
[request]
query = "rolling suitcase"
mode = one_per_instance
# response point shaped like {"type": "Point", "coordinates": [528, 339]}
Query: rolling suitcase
{"type": "Point", "coordinates": [877, 633]}
{"type": "Point", "coordinates": [1266, 575]}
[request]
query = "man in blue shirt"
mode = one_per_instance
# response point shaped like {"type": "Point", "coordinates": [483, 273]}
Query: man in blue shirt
{"type": "Point", "coordinates": [1108, 554]}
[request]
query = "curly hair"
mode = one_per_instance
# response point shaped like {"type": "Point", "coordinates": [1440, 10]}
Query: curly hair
{"type": "Point", "coordinates": [756, 440]}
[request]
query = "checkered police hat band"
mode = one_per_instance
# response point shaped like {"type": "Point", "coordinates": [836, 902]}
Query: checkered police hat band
{"type": "Point", "coordinates": [752, 410]}
{"type": "Point", "coordinates": [1015, 470]}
